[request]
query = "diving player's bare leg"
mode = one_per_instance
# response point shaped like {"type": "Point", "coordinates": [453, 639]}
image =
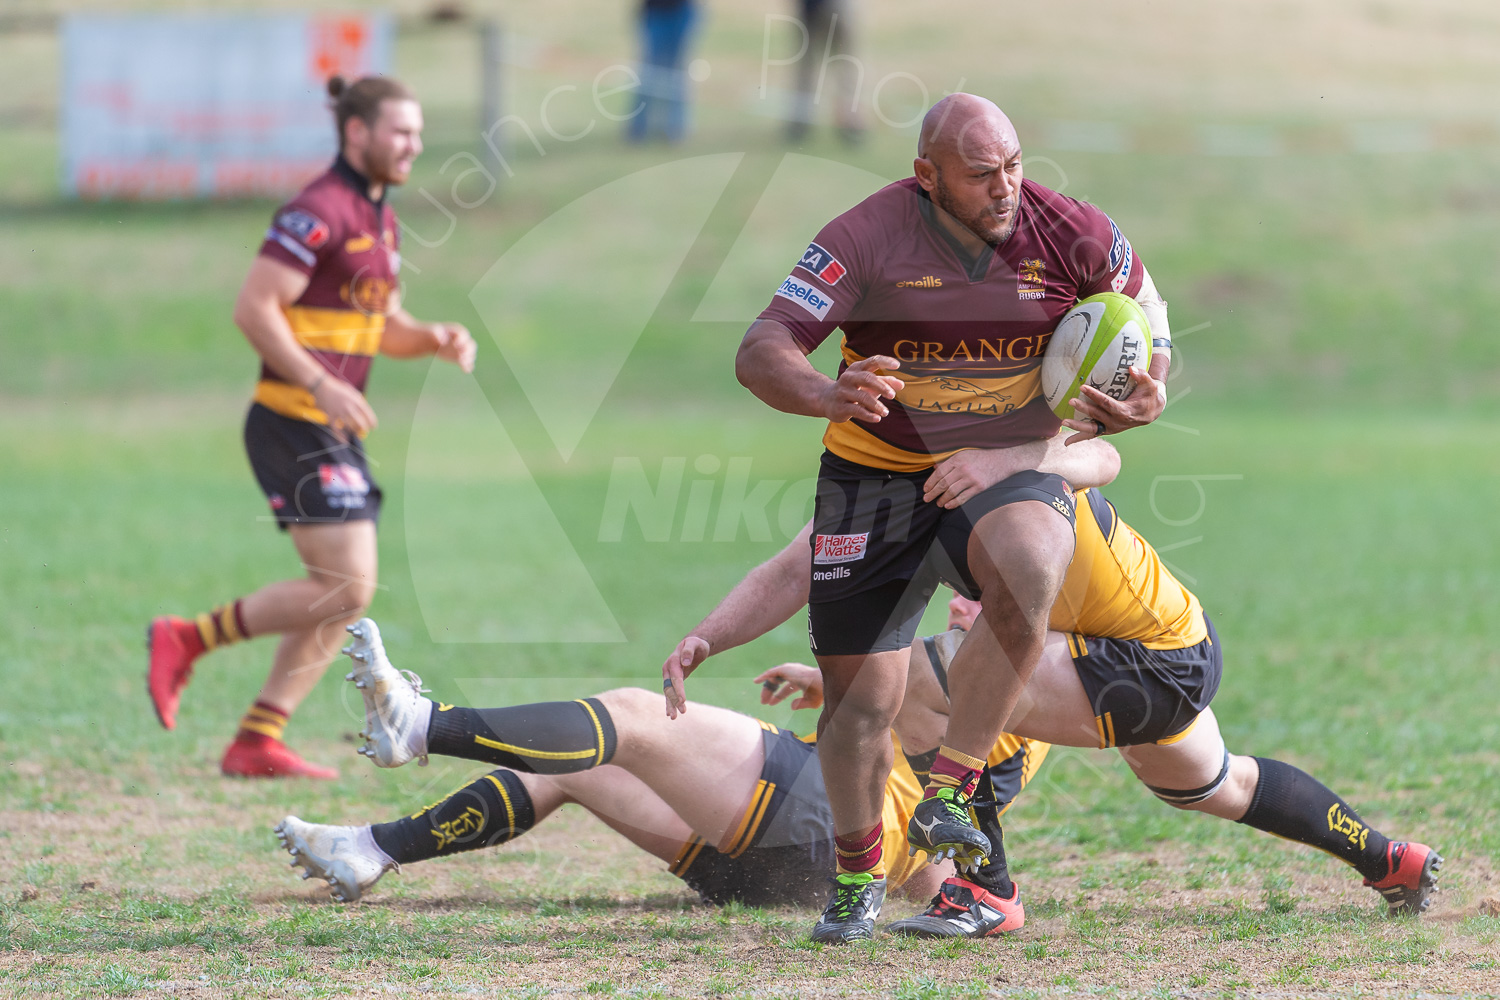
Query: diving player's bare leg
{"type": "Point", "coordinates": [703, 764]}
{"type": "Point", "coordinates": [623, 802]}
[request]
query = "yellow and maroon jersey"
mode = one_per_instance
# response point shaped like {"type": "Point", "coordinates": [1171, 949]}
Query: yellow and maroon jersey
{"type": "Point", "coordinates": [1117, 586]}
{"type": "Point", "coordinates": [969, 333]}
{"type": "Point", "coordinates": [348, 245]}
{"type": "Point", "coordinates": [903, 790]}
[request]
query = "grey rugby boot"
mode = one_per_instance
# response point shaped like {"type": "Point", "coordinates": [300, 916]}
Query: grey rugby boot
{"type": "Point", "coordinates": [396, 714]}
{"type": "Point", "coordinates": [346, 857]}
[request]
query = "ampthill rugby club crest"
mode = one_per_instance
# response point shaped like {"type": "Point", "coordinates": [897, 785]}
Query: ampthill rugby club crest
{"type": "Point", "coordinates": [1031, 279]}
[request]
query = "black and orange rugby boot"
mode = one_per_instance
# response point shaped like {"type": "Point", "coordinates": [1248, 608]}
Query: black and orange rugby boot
{"type": "Point", "coordinates": [963, 909]}
{"type": "Point", "coordinates": [1408, 889]}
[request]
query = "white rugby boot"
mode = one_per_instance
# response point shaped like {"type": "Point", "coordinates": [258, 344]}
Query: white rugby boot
{"type": "Point", "coordinates": [346, 857]}
{"type": "Point", "coordinates": [396, 714]}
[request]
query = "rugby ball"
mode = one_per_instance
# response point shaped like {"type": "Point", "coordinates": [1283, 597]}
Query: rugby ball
{"type": "Point", "coordinates": [1097, 342]}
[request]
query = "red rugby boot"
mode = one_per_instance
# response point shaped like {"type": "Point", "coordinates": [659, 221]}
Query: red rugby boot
{"type": "Point", "coordinates": [256, 756]}
{"type": "Point", "coordinates": [963, 909]}
{"type": "Point", "coordinates": [172, 644]}
{"type": "Point", "coordinates": [1412, 880]}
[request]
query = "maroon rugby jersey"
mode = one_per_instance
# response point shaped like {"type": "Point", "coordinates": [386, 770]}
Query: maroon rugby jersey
{"type": "Point", "coordinates": [969, 333]}
{"type": "Point", "coordinates": [347, 244]}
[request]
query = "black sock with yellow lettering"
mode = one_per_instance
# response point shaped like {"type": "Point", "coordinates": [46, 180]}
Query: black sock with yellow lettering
{"type": "Point", "coordinates": [994, 874]}
{"type": "Point", "coordinates": [490, 811]}
{"type": "Point", "coordinates": [1293, 804]}
{"type": "Point", "coordinates": [549, 737]}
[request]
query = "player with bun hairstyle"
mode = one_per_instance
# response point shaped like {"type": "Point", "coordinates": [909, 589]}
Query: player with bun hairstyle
{"type": "Point", "coordinates": [321, 300]}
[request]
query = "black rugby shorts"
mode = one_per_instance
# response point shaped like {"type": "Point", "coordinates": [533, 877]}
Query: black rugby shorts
{"type": "Point", "coordinates": [1141, 695]}
{"type": "Point", "coordinates": [308, 475]}
{"type": "Point", "coordinates": [879, 550]}
{"type": "Point", "coordinates": [782, 851]}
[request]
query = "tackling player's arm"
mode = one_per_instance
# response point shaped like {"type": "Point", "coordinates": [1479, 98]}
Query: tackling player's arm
{"type": "Point", "coordinates": [770, 594]}
{"type": "Point", "coordinates": [259, 312]}
{"type": "Point", "coordinates": [773, 365]}
{"type": "Point", "coordinates": [962, 476]}
{"type": "Point", "coordinates": [407, 337]}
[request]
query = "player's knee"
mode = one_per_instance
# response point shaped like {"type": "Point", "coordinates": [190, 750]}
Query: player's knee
{"type": "Point", "coordinates": [347, 598]}
{"type": "Point", "coordinates": [631, 701]}
{"type": "Point", "coordinates": [864, 719]}
{"type": "Point", "coordinates": [1196, 799]}
{"type": "Point", "coordinates": [357, 600]}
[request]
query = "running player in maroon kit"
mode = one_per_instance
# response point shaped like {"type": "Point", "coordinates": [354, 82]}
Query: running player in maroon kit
{"type": "Point", "coordinates": [321, 300]}
{"type": "Point", "coordinates": [947, 286]}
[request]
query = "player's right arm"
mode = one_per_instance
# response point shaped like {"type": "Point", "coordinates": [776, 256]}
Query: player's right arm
{"type": "Point", "coordinates": [773, 364]}
{"type": "Point", "coordinates": [259, 312]}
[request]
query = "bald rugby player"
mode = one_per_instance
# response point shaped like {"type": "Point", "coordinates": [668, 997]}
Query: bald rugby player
{"type": "Point", "coordinates": [947, 287]}
{"type": "Point", "coordinates": [321, 299]}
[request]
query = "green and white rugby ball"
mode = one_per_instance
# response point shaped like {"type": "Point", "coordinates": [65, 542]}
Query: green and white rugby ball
{"type": "Point", "coordinates": [1096, 343]}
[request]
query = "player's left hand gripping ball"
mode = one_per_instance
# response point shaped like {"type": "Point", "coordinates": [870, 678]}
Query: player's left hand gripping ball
{"type": "Point", "coordinates": [1147, 399]}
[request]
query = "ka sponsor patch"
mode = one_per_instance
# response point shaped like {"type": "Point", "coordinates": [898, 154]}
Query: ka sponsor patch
{"type": "Point", "coordinates": [823, 264]}
{"type": "Point", "coordinates": [806, 296]}
{"type": "Point", "coordinates": [304, 227]}
{"type": "Point", "coordinates": [829, 549]}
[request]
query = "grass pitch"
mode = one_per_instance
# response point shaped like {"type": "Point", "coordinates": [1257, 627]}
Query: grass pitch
{"type": "Point", "coordinates": [1333, 404]}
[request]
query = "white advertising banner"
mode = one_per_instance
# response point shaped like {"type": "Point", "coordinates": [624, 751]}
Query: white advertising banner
{"type": "Point", "coordinates": [206, 105]}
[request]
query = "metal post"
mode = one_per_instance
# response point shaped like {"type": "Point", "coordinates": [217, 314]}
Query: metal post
{"type": "Point", "coordinates": [492, 58]}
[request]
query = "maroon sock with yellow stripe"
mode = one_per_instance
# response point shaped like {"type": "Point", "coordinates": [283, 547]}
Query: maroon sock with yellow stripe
{"type": "Point", "coordinates": [490, 811]}
{"type": "Point", "coordinates": [549, 737]}
{"type": "Point", "coordinates": [223, 626]}
{"type": "Point", "coordinates": [861, 852]}
{"type": "Point", "coordinates": [264, 721]}
{"type": "Point", "coordinates": [954, 769]}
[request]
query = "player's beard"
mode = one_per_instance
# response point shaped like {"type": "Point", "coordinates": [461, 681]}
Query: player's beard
{"type": "Point", "coordinates": [381, 168]}
{"type": "Point", "coordinates": [982, 222]}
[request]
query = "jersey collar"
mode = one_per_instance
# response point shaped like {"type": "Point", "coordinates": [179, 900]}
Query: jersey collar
{"type": "Point", "coordinates": [977, 267]}
{"type": "Point", "coordinates": [358, 181]}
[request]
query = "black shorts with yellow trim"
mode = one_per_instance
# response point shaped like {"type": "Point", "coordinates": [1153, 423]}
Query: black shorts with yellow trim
{"type": "Point", "coordinates": [1141, 695]}
{"type": "Point", "coordinates": [309, 475]}
{"type": "Point", "coordinates": [782, 849]}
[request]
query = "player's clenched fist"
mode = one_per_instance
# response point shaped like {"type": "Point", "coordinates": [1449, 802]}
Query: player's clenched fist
{"type": "Point", "coordinates": [456, 345]}
{"type": "Point", "coordinates": [345, 406]}
{"type": "Point", "coordinates": [858, 392]}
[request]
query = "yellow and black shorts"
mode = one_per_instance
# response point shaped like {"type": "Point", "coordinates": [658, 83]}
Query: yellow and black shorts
{"type": "Point", "coordinates": [782, 850]}
{"type": "Point", "coordinates": [1141, 695]}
